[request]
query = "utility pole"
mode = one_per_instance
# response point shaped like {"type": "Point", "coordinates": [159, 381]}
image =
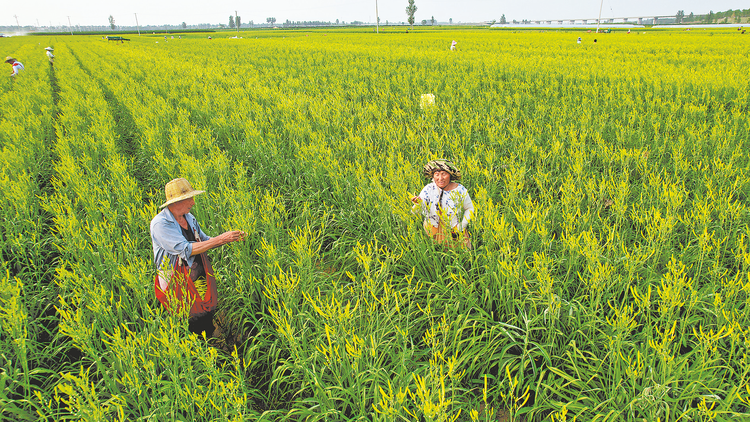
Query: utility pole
{"type": "Point", "coordinates": [600, 16]}
{"type": "Point", "coordinates": [136, 24]}
{"type": "Point", "coordinates": [377, 18]}
{"type": "Point", "coordinates": [236, 22]}
{"type": "Point", "coordinates": [70, 25]}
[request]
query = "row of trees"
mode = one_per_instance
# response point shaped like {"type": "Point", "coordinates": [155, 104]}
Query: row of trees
{"type": "Point", "coordinates": [729, 16]}
{"type": "Point", "coordinates": [290, 23]}
{"type": "Point", "coordinates": [235, 22]}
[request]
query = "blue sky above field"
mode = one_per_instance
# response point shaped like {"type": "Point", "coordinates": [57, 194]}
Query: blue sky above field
{"type": "Point", "coordinates": [194, 12]}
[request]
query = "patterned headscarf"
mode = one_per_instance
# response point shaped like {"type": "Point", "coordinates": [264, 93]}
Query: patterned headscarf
{"type": "Point", "coordinates": [441, 164]}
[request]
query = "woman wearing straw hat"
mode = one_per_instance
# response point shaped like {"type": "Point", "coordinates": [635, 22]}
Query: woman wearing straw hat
{"type": "Point", "coordinates": [445, 204]}
{"type": "Point", "coordinates": [180, 258]}
{"type": "Point", "coordinates": [17, 66]}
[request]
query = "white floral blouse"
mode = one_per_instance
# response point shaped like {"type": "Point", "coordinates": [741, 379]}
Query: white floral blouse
{"type": "Point", "coordinates": [454, 206]}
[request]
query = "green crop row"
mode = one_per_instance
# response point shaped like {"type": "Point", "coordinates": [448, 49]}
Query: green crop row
{"type": "Point", "coordinates": [26, 114]}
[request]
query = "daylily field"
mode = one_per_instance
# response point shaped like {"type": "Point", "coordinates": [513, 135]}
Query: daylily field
{"type": "Point", "coordinates": [609, 278]}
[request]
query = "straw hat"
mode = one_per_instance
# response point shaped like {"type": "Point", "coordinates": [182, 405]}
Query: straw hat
{"type": "Point", "coordinates": [444, 165]}
{"type": "Point", "coordinates": [49, 48]}
{"type": "Point", "coordinates": [9, 59]}
{"type": "Point", "coordinates": [178, 190]}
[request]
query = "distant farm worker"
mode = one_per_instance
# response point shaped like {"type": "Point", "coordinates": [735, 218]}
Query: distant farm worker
{"type": "Point", "coordinates": [183, 267]}
{"type": "Point", "coordinates": [579, 40]}
{"type": "Point", "coordinates": [453, 45]}
{"type": "Point", "coordinates": [50, 56]}
{"type": "Point", "coordinates": [445, 204]}
{"type": "Point", "coordinates": [15, 65]}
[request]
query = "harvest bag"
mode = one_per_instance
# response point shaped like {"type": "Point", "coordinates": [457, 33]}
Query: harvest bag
{"type": "Point", "coordinates": [181, 290]}
{"type": "Point", "coordinates": [444, 236]}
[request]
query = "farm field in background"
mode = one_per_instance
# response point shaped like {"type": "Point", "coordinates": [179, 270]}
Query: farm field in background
{"type": "Point", "coordinates": [610, 274]}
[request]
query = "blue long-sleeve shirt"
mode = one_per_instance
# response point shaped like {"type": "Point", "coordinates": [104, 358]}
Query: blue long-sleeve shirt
{"type": "Point", "coordinates": [170, 244]}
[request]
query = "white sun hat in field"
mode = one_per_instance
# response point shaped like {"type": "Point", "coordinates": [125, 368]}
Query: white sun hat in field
{"type": "Point", "coordinates": [427, 100]}
{"type": "Point", "coordinates": [178, 190]}
{"type": "Point", "coordinates": [49, 48]}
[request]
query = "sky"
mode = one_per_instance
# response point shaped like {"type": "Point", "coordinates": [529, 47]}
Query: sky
{"type": "Point", "coordinates": [195, 12]}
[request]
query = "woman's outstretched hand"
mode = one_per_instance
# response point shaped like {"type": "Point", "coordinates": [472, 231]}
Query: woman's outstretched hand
{"type": "Point", "coordinates": [231, 236]}
{"type": "Point", "coordinates": [215, 242]}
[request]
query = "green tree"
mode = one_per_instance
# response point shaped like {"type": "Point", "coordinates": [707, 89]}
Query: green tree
{"type": "Point", "coordinates": [184, 25]}
{"type": "Point", "coordinates": [680, 16]}
{"type": "Point", "coordinates": [450, 21]}
{"type": "Point", "coordinates": [231, 21]}
{"type": "Point", "coordinates": [238, 21]}
{"type": "Point", "coordinates": [411, 9]}
{"type": "Point", "coordinates": [433, 21]}
{"type": "Point", "coordinates": [112, 22]}
{"type": "Point", "coordinates": [502, 19]}
{"type": "Point", "coordinates": [271, 20]}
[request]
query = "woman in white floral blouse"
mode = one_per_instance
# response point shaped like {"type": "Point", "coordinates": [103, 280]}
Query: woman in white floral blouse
{"type": "Point", "coordinates": [445, 204]}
